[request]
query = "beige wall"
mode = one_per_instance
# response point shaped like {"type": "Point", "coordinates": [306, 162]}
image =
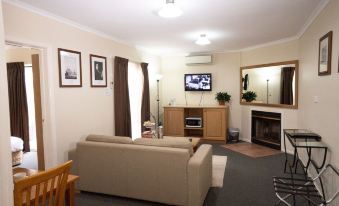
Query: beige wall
{"type": "Point", "coordinates": [6, 182]}
{"type": "Point", "coordinates": [74, 113]}
{"type": "Point", "coordinates": [70, 113]}
{"type": "Point", "coordinates": [18, 54]}
{"type": "Point", "coordinates": [322, 117]}
{"type": "Point", "coordinates": [225, 77]}
{"type": "Point", "coordinates": [275, 53]}
{"type": "Point", "coordinates": [226, 73]}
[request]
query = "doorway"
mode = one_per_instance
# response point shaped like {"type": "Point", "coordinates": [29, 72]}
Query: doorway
{"type": "Point", "coordinates": [25, 106]}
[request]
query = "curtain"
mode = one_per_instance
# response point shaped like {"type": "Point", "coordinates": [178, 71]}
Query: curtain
{"type": "Point", "coordinates": [286, 94]}
{"type": "Point", "coordinates": [122, 113]}
{"type": "Point", "coordinates": [145, 103]}
{"type": "Point", "coordinates": [18, 102]}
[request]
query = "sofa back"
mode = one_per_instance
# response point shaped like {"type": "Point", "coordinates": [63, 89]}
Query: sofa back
{"type": "Point", "coordinates": [142, 172]}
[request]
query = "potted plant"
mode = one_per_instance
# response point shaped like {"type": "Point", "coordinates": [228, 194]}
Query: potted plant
{"type": "Point", "coordinates": [222, 97]}
{"type": "Point", "coordinates": [249, 96]}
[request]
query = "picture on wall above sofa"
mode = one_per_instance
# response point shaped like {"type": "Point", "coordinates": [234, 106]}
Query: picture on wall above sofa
{"type": "Point", "coordinates": [98, 71]}
{"type": "Point", "coordinates": [69, 68]}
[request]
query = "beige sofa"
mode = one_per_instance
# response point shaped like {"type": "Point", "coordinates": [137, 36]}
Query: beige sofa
{"type": "Point", "coordinates": [119, 166]}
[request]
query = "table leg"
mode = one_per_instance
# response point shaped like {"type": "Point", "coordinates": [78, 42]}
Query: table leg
{"type": "Point", "coordinates": [286, 160]}
{"type": "Point", "coordinates": [296, 160]}
{"type": "Point", "coordinates": [309, 154]}
{"type": "Point", "coordinates": [70, 201]}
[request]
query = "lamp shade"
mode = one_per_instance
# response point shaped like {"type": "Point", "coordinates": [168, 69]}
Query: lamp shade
{"type": "Point", "coordinates": [158, 76]}
{"type": "Point", "coordinates": [203, 40]}
{"type": "Point", "coordinates": [170, 10]}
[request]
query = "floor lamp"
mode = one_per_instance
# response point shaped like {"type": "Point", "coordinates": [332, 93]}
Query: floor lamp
{"type": "Point", "coordinates": [267, 90]}
{"type": "Point", "coordinates": [158, 77]}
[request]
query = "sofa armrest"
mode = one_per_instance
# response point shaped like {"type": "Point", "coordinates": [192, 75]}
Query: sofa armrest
{"type": "Point", "coordinates": [72, 156]}
{"type": "Point", "coordinates": [199, 175]}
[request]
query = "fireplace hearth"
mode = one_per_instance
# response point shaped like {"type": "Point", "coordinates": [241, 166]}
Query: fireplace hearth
{"type": "Point", "coordinates": [266, 129]}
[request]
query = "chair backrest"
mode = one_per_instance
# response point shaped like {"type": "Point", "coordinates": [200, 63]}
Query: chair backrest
{"type": "Point", "coordinates": [45, 187]}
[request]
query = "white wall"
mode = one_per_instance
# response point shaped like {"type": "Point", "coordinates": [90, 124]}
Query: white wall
{"type": "Point", "coordinates": [6, 180]}
{"type": "Point", "coordinates": [71, 113]}
{"type": "Point", "coordinates": [322, 117]}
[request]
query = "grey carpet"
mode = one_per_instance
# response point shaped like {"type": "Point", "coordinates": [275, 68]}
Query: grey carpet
{"type": "Point", "coordinates": [247, 182]}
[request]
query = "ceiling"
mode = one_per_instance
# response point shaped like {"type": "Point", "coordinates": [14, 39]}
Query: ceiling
{"type": "Point", "coordinates": [229, 24]}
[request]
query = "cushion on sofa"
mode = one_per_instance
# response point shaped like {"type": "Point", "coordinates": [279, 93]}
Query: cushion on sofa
{"type": "Point", "coordinates": [109, 139]}
{"type": "Point", "coordinates": [173, 143]}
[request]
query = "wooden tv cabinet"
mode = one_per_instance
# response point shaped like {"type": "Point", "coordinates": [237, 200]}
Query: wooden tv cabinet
{"type": "Point", "coordinates": [214, 119]}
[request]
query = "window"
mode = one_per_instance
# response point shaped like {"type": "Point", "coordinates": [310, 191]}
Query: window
{"type": "Point", "coordinates": [135, 87]}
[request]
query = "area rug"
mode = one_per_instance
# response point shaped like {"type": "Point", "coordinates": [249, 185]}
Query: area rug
{"type": "Point", "coordinates": [218, 170]}
{"type": "Point", "coordinates": [251, 150]}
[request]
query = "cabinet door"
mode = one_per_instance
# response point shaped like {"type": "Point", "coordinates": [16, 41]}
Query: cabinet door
{"type": "Point", "coordinates": [174, 122]}
{"type": "Point", "coordinates": [215, 124]}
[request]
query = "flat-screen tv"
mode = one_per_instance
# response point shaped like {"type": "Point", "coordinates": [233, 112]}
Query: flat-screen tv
{"type": "Point", "coordinates": [198, 82]}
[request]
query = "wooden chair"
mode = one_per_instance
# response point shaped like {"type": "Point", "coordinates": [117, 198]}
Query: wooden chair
{"type": "Point", "coordinates": [45, 187]}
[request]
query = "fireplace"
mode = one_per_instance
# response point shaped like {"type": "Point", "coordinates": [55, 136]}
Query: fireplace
{"type": "Point", "coordinates": [266, 129]}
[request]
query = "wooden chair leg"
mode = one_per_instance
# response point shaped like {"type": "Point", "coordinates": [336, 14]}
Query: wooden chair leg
{"type": "Point", "coordinates": [70, 200]}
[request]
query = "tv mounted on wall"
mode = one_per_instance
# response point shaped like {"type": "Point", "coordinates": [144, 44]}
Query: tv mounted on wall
{"type": "Point", "coordinates": [198, 82]}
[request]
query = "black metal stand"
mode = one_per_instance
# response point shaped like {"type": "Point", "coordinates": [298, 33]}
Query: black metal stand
{"type": "Point", "coordinates": [307, 140]}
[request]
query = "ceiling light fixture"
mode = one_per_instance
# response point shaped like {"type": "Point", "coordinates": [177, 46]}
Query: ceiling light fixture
{"type": "Point", "coordinates": [203, 40]}
{"type": "Point", "coordinates": [170, 10]}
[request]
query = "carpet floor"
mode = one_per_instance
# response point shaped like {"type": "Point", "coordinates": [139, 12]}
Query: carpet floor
{"type": "Point", "coordinates": [247, 182]}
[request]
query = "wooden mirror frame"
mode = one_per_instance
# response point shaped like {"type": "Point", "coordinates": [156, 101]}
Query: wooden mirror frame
{"type": "Point", "coordinates": [294, 106]}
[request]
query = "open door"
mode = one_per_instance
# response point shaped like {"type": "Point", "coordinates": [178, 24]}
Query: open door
{"type": "Point", "coordinates": [38, 111]}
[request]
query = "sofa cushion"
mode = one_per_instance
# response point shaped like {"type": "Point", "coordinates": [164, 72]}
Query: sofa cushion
{"type": "Point", "coordinates": [109, 139]}
{"type": "Point", "coordinates": [173, 143]}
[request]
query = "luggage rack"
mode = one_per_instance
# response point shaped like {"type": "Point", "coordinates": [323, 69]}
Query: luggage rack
{"type": "Point", "coordinates": [292, 187]}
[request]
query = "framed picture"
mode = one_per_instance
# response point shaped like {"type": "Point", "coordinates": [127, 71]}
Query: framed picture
{"type": "Point", "coordinates": [69, 68]}
{"type": "Point", "coordinates": [325, 54]}
{"type": "Point", "coordinates": [98, 71]}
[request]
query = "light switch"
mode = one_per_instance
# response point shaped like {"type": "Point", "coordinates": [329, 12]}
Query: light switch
{"type": "Point", "coordinates": [108, 91]}
{"type": "Point", "coordinates": [316, 99]}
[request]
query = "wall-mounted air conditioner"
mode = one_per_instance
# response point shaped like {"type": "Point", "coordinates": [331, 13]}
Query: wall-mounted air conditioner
{"type": "Point", "coordinates": [199, 59]}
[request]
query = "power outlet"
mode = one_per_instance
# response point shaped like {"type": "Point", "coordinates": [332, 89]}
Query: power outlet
{"type": "Point", "coordinates": [316, 99]}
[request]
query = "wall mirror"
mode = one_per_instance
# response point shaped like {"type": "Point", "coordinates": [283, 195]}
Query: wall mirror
{"type": "Point", "coordinates": [273, 85]}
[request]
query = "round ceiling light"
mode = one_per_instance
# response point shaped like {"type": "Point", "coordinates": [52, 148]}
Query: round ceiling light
{"type": "Point", "coordinates": [170, 10]}
{"type": "Point", "coordinates": [203, 40]}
